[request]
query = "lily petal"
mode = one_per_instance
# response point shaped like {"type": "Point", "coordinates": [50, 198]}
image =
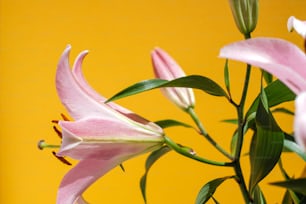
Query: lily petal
{"type": "Point", "coordinates": [79, 77]}
{"type": "Point", "coordinates": [297, 25]}
{"type": "Point", "coordinates": [279, 57]}
{"type": "Point", "coordinates": [165, 67]}
{"type": "Point", "coordinates": [96, 138]}
{"type": "Point", "coordinates": [300, 120]}
{"type": "Point", "coordinates": [78, 179]}
{"type": "Point", "coordinates": [73, 97]}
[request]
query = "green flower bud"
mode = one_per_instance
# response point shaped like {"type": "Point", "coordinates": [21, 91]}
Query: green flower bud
{"type": "Point", "coordinates": [245, 13]}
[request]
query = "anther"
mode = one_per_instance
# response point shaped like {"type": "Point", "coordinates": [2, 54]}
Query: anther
{"type": "Point", "coordinates": [64, 117]}
{"type": "Point", "coordinates": [55, 121]}
{"type": "Point", "coordinates": [62, 159]}
{"type": "Point", "coordinates": [58, 132]}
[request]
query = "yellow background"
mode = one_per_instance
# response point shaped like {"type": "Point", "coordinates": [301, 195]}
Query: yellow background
{"type": "Point", "coordinates": [120, 35]}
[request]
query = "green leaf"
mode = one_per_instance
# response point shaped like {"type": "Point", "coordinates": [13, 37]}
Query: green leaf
{"type": "Point", "coordinates": [209, 189]}
{"type": "Point", "coordinates": [152, 158]}
{"type": "Point", "coordinates": [259, 198]}
{"type": "Point", "coordinates": [267, 76]}
{"type": "Point", "coordinates": [296, 185]}
{"type": "Point", "coordinates": [293, 147]}
{"type": "Point", "coordinates": [170, 123]}
{"type": "Point", "coordinates": [232, 121]}
{"type": "Point", "coordinates": [193, 81]}
{"type": "Point", "coordinates": [226, 76]}
{"type": "Point", "coordinates": [264, 99]}
{"type": "Point", "coordinates": [287, 198]}
{"type": "Point", "coordinates": [283, 110]}
{"type": "Point", "coordinates": [266, 146]}
{"type": "Point", "coordinates": [276, 93]}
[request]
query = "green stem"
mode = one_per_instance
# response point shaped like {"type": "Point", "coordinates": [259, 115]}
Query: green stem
{"type": "Point", "coordinates": [186, 152]}
{"type": "Point", "coordinates": [241, 123]}
{"type": "Point", "coordinates": [240, 111]}
{"type": "Point", "coordinates": [203, 132]}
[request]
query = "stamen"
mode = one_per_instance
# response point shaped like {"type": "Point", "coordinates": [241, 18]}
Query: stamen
{"type": "Point", "coordinates": [58, 132]}
{"type": "Point", "coordinates": [62, 159]}
{"type": "Point", "coordinates": [55, 121]}
{"type": "Point", "coordinates": [42, 144]}
{"type": "Point", "coordinates": [122, 167]}
{"type": "Point", "coordinates": [65, 117]}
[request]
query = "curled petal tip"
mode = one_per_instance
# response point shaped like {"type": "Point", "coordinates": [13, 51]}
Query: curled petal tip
{"type": "Point", "coordinates": [298, 25]}
{"type": "Point", "coordinates": [68, 47]}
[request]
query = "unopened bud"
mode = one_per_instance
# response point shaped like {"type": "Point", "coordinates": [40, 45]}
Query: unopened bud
{"type": "Point", "coordinates": [245, 13]}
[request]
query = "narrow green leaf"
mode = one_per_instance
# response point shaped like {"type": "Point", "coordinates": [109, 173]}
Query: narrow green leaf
{"type": "Point", "coordinates": [152, 158]}
{"type": "Point", "coordinates": [259, 197]}
{"type": "Point", "coordinates": [283, 110]}
{"type": "Point", "coordinates": [266, 146]}
{"type": "Point", "coordinates": [293, 147]}
{"type": "Point", "coordinates": [170, 123]}
{"type": "Point", "coordinates": [296, 185]}
{"type": "Point", "coordinates": [287, 199]}
{"type": "Point", "coordinates": [267, 76]}
{"type": "Point", "coordinates": [232, 121]}
{"type": "Point", "coordinates": [290, 196]}
{"type": "Point", "coordinates": [193, 81]}
{"type": "Point", "coordinates": [226, 76]}
{"type": "Point", "coordinates": [276, 93]}
{"type": "Point", "coordinates": [138, 88]}
{"type": "Point", "coordinates": [209, 189]}
{"type": "Point", "coordinates": [264, 99]}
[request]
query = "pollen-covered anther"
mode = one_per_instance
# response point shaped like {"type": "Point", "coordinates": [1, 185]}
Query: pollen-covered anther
{"type": "Point", "coordinates": [58, 132]}
{"type": "Point", "coordinates": [62, 159]}
{"type": "Point", "coordinates": [65, 117]}
{"type": "Point", "coordinates": [55, 121]}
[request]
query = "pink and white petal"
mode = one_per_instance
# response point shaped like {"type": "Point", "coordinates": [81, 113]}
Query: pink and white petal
{"type": "Point", "coordinates": [279, 57]}
{"type": "Point", "coordinates": [165, 67]}
{"type": "Point", "coordinates": [100, 138]}
{"type": "Point", "coordinates": [78, 179]}
{"type": "Point", "coordinates": [78, 74]}
{"type": "Point", "coordinates": [81, 200]}
{"type": "Point", "coordinates": [300, 120]}
{"type": "Point", "coordinates": [297, 25]}
{"type": "Point", "coordinates": [78, 103]}
{"type": "Point", "coordinates": [182, 97]}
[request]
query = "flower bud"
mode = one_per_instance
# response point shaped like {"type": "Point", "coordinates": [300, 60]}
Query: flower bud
{"type": "Point", "coordinates": [245, 13]}
{"type": "Point", "coordinates": [165, 67]}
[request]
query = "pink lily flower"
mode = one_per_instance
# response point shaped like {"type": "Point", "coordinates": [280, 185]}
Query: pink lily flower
{"type": "Point", "coordinates": [282, 59]}
{"type": "Point", "coordinates": [297, 25]}
{"type": "Point", "coordinates": [165, 67]}
{"type": "Point", "coordinates": [101, 136]}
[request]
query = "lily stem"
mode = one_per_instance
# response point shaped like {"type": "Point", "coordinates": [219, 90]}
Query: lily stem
{"type": "Point", "coordinates": [186, 152]}
{"type": "Point", "coordinates": [203, 132]}
{"type": "Point", "coordinates": [241, 123]}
